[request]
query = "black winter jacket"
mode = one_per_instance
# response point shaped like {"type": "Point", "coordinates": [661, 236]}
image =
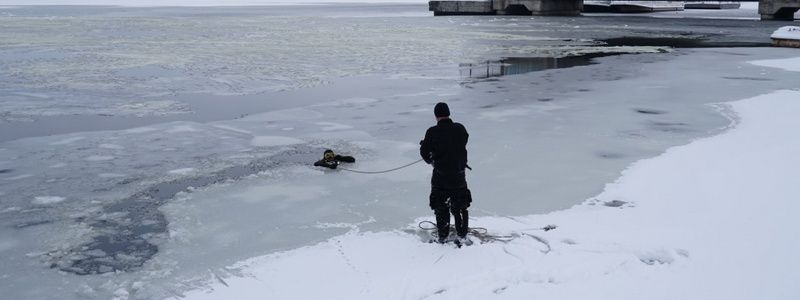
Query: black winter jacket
{"type": "Point", "coordinates": [445, 146]}
{"type": "Point", "coordinates": [332, 164]}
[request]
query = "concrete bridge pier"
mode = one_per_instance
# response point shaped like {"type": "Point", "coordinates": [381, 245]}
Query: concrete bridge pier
{"type": "Point", "coordinates": [538, 7]}
{"type": "Point", "coordinates": [506, 7]}
{"type": "Point", "coordinates": [778, 9]}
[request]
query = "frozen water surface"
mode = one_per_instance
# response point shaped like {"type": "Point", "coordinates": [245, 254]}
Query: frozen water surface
{"type": "Point", "coordinates": [182, 138]}
{"type": "Point", "coordinates": [106, 63]}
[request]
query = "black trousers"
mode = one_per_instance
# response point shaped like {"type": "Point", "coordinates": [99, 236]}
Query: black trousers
{"type": "Point", "coordinates": [447, 201]}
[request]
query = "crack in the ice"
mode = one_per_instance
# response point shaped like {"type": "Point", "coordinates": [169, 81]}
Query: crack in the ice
{"type": "Point", "coordinates": [130, 239]}
{"type": "Point", "coordinates": [219, 278]}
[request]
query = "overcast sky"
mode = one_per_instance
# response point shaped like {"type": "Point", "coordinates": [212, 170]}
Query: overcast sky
{"type": "Point", "coordinates": [183, 2]}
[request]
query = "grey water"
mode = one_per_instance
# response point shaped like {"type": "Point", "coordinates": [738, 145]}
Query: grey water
{"type": "Point", "coordinates": [70, 69]}
{"type": "Point", "coordinates": [100, 105]}
{"type": "Point", "coordinates": [204, 108]}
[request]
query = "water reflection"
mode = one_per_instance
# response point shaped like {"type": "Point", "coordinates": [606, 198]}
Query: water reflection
{"type": "Point", "coordinates": [522, 65]}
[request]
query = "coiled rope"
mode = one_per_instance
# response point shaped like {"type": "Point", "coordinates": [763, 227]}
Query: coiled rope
{"type": "Point", "coordinates": [481, 233]}
{"type": "Point", "coordinates": [384, 171]}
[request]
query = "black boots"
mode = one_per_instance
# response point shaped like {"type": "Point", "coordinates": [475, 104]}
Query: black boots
{"type": "Point", "coordinates": [461, 217]}
{"type": "Point", "coordinates": [444, 202]}
{"type": "Point", "coordinates": [462, 222]}
{"type": "Point", "coordinates": [442, 224]}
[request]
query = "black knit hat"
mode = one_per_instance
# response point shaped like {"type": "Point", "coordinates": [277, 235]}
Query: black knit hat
{"type": "Point", "coordinates": [441, 110]}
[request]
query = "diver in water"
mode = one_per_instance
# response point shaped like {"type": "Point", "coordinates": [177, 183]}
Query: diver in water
{"type": "Point", "coordinates": [331, 160]}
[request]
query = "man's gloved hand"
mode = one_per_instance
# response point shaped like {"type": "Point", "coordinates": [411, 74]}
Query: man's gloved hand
{"type": "Point", "coordinates": [427, 158]}
{"type": "Point", "coordinates": [327, 164]}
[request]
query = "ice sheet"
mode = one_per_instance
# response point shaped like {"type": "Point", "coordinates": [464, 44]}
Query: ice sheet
{"type": "Point", "coordinates": [152, 207]}
{"type": "Point", "coordinates": [53, 63]}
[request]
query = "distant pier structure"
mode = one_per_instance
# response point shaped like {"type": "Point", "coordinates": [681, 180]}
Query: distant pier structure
{"type": "Point", "coordinates": [782, 10]}
{"type": "Point", "coordinates": [506, 7]}
{"type": "Point", "coordinates": [768, 9]}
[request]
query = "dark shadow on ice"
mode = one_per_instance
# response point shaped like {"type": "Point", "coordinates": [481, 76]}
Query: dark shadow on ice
{"type": "Point", "coordinates": [678, 42]}
{"type": "Point", "coordinates": [522, 65]}
{"type": "Point", "coordinates": [747, 78]}
{"type": "Point", "coordinates": [669, 126]}
{"type": "Point", "coordinates": [129, 229]}
{"type": "Point", "coordinates": [609, 155]}
{"type": "Point", "coordinates": [650, 111]}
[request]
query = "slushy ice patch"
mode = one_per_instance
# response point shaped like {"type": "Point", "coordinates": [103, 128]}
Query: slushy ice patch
{"type": "Point", "coordinates": [583, 57]}
{"type": "Point", "coordinates": [127, 233]}
{"type": "Point", "coordinates": [523, 65]}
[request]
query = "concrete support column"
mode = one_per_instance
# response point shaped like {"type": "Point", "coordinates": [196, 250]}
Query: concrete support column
{"type": "Point", "coordinates": [447, 7]}
{"type": "Point", "coordinates": [540, 7]}
{"type": "Point", "coordinates": [778, 9]}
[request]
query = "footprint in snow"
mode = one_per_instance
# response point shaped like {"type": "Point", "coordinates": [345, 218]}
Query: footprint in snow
{"type": "Point", "coordinates": [660, 257]}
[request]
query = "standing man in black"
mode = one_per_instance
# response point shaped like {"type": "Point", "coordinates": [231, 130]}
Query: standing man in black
{"type": "Point", "coordinates": [444, 146]}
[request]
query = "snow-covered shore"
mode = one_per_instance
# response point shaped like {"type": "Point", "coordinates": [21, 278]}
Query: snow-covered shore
{"type": "Point", "coordinates": [714, 219]}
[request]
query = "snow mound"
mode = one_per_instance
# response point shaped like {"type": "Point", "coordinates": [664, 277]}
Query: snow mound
{"type": "Point", "coordinates": [787, 33]}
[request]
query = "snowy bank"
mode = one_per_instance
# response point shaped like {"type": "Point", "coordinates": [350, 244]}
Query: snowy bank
{"type": "Point", "coordinates": [787, 32]}
{"type": "Point", "coordinates": [714, 219]}
{"type": "Point", "coordinates": [787, 36]}
{"type": "Point", "coordinates": [788, 64]}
